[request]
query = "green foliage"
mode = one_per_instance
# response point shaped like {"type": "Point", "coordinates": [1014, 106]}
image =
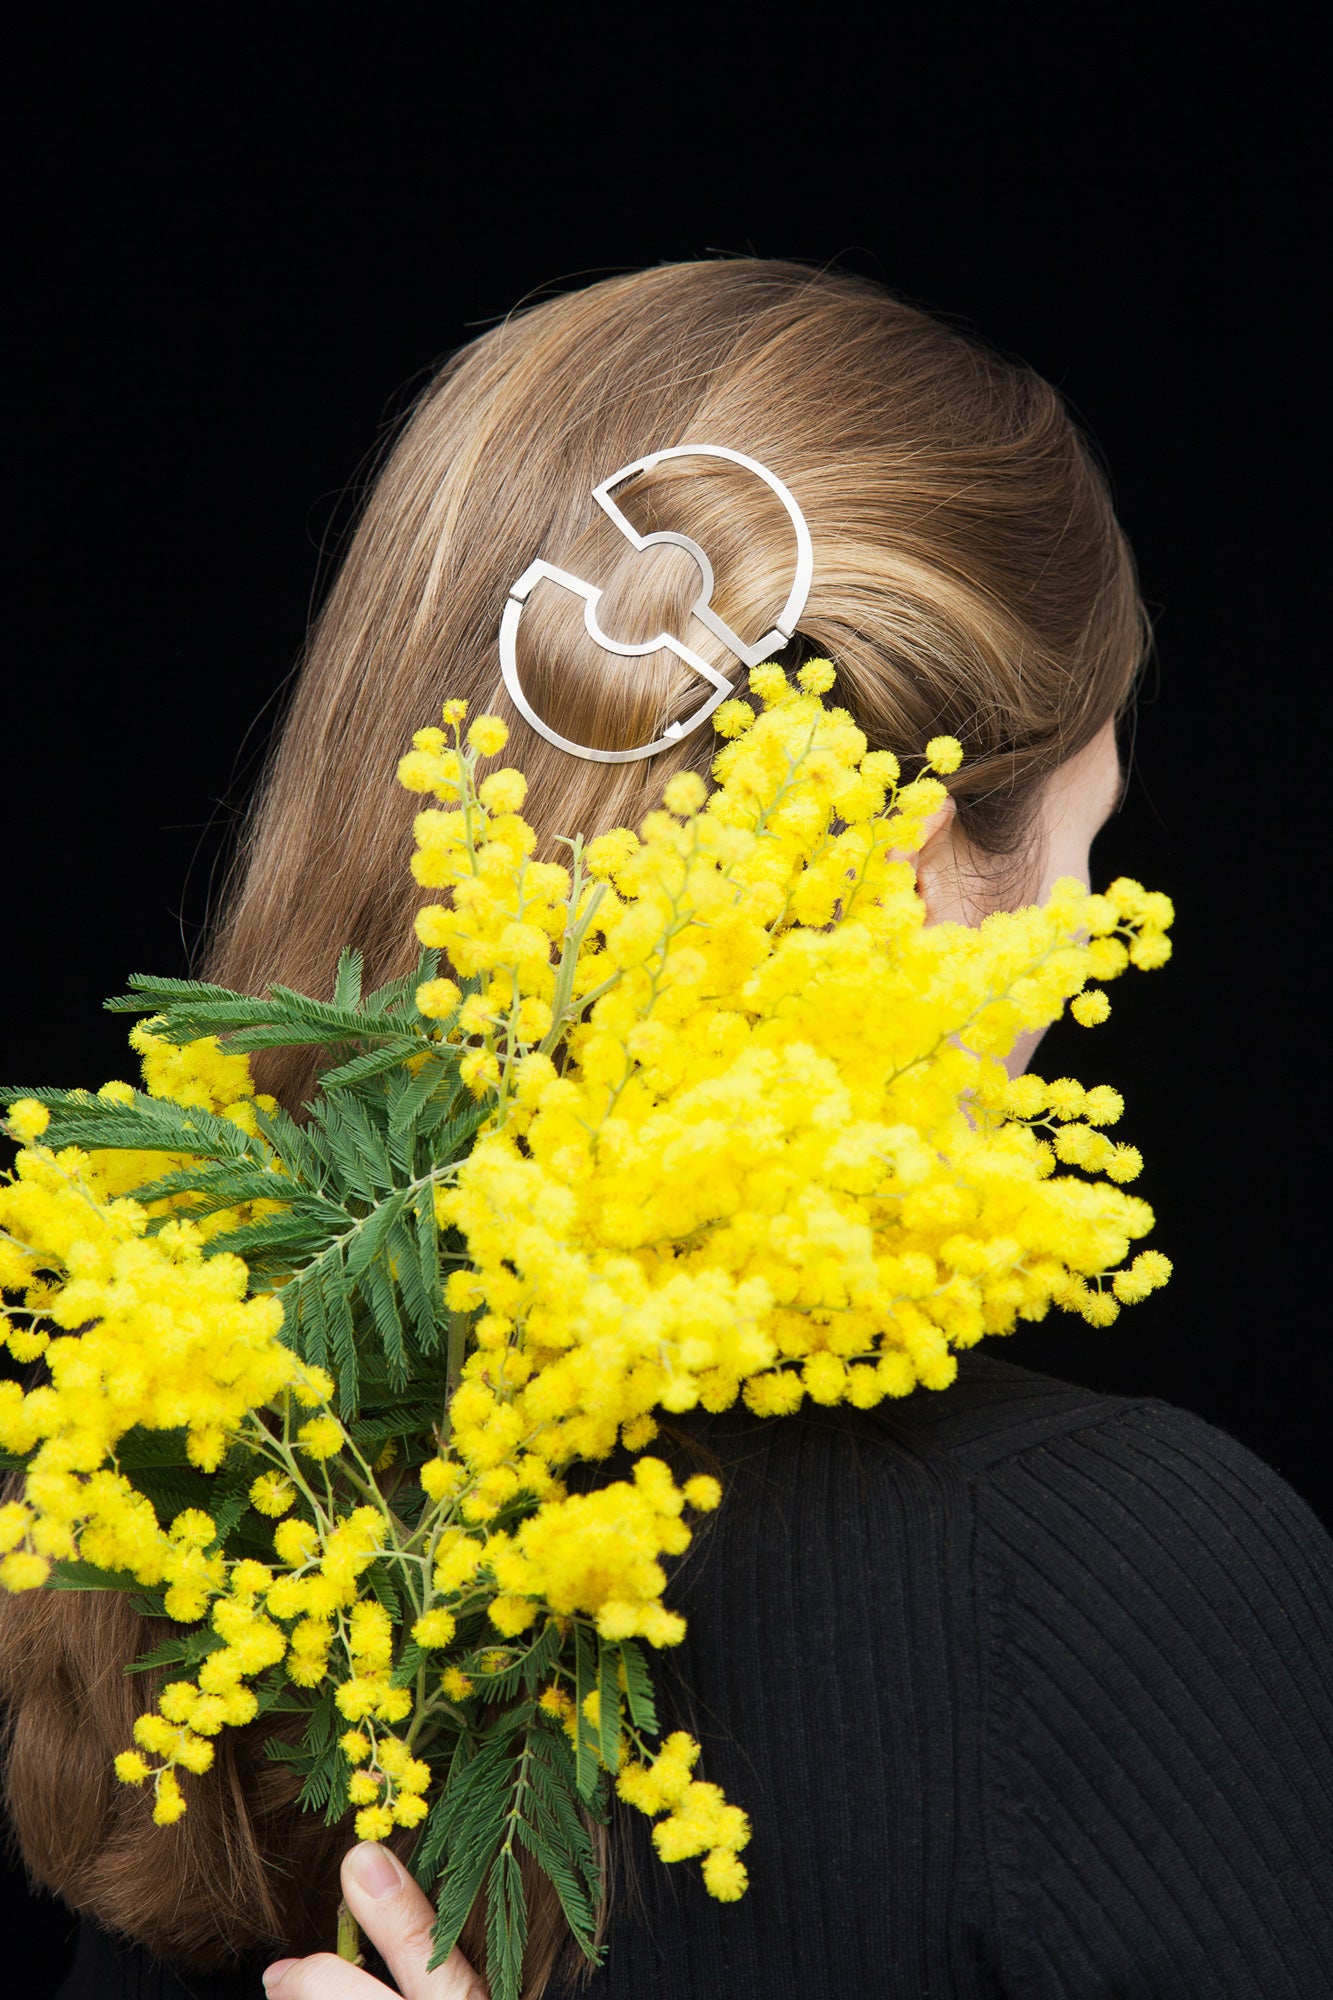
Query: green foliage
{"type": "Point", "coordinates": [516, 1787]}
{"type": "Point", "coordinates": [530, 1666]}
{"type": "Point", "coordinates": [638, 1688]}
{"type": "Point", "coordinates": [506, 1925]}
{"type": "Point", "coordinates": [352, 1251]}
{"type": "Point", "coordinates": [72, 1575]}
{"type": "Point", "coordinates": [586, 1680]}
{"type": "Point", "coordinates": [552, 1829]}
{"type": "Point", "coordinates": [318, 1759]}
{"type": "Point", "coordinates": [608, 1707]}
{"type": "Point", "coordinates": [337, 1220]}
{"type": "Point", "coordinates": [190, 1009]}
{"type": "Point", "coordinates": [464, 1829]}
{"type": "Point", "coordinates": [148, 1124]}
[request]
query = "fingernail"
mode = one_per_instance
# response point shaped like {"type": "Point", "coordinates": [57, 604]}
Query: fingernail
{"type": "Point", "coordinates": [273, 1974]}
{"type": "Point", "coordinates": [374, 1869]}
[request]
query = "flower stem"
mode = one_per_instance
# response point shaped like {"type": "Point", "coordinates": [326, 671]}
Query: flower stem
{"type": "Point", "coordinates": [349, 1936]}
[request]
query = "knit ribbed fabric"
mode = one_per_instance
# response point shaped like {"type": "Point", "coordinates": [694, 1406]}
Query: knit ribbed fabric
{"type": "Point", "coordinates": [1027, 1691]}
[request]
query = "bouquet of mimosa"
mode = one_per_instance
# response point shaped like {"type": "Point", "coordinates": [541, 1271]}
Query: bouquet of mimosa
{"type": "Point", "coordinates": [707, 1112]}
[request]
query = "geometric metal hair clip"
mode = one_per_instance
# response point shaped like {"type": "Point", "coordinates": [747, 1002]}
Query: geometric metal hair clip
{"type": "Point", "coordinates": [748, 655]}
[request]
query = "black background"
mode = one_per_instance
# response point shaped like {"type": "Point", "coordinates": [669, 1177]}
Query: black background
{"type": "Point", "coordinates": [250, 247]}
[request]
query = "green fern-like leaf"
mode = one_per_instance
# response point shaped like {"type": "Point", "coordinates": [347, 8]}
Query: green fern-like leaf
{"type": "Point", "coordinates": [438, 1074]}
{"type": "Point", "coordinates": [347, 979]}
{"type": "Point", "coordinates": [371, 1063]}
{"type": "Point", "coordinates": [283, 1018]}
{"type": "Point", "coordinates": [399, 995]}
{"type": "Point", "coordinates": [378, 1289]}
{"type": "Point", "coordinates": [433, 1841]}
{"type": "Point", "coordinates": [639, 1697]}
{"type": "Point", "coordinates": [506, 1926]}
{"type": "Point", "coordinates": [473, 1810]}
{"type": "Point", "coordinates": [72, 1575]}
{"type": "Point", "coordinates": [359, 1153]}
{"type": "Point", "coordinates": [528, 1668]}
{"type": "Point", "coordinates": [148, 1124]}
{"type": "Point", "coordinates": [420, 1296]}
{"type": "Point", "coordinates": [365, 1243]}
{"type": "Point", "coordinates": [608, 1710]}
{"type": "Point", "coordinates": [585, 1681]}
{"type": "Point", "coordinates": [552, 1828]}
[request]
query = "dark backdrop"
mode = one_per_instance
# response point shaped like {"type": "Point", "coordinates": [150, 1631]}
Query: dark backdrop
{"type": "Point", "coordinates": [252, 246]}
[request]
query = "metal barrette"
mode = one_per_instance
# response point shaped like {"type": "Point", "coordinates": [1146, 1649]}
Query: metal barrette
{"type": "Point", "coordinates": [749, 656]}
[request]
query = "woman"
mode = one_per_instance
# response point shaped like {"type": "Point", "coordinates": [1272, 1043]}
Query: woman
{"type": "Point", "coordinates": [1078, 1736]}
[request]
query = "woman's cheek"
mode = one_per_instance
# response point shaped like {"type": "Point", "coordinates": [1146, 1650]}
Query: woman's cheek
{"type": "Point", "coordinates": [1019, 1059]}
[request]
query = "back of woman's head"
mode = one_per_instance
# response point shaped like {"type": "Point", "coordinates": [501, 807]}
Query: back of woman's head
{"type": "Point", "coordinates": [969, 576]}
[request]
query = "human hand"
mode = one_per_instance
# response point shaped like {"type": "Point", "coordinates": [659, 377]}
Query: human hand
{"type": "Point", "coordinates": [397, 1919]}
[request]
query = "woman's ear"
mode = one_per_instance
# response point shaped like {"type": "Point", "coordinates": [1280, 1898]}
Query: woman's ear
{"type": "Point", "coordinates": [936, 864]}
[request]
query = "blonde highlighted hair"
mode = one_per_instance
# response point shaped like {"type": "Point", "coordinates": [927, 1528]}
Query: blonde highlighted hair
{"type": "Point", "coordinates": [970, 577]}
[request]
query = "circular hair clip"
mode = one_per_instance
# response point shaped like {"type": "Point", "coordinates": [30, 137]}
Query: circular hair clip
{"type": "Point", "coordinates": [747, 655]}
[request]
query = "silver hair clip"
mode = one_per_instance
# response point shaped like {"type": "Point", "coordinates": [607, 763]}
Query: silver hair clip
{"type": "Point", "coordinates": [749, 656]}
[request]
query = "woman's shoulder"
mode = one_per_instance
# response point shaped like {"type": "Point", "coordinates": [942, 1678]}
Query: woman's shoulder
{"type": "Point", "coordinates": [1102, 1627]}
{"type": "Point", "coordinates": [1009, 1442]}
{"type": "Point", "coordinates": [1068, 1478]}
{"type": "Point", "coordinates": [1012, 1668]}
{"type": "Point", "coordinates": [1032, 1494]}
{"type": "Point", "coordinates": [1130, 1541]}
{"type": "Point", "coordinates": [1154, 1611]}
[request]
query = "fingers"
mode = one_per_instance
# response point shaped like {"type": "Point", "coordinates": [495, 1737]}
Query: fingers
{"type": "Point", "coordinates": [320, 1977]}
{"type": "Point", "coordinates": [397, 1919]}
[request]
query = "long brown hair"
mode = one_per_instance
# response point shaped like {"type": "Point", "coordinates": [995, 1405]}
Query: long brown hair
{"type": "Point", "coordinates": [969, 576]}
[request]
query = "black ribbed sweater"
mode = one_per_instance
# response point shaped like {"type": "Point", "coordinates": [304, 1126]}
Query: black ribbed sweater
{"type": "Point", "coordinates": [1027, 1691]}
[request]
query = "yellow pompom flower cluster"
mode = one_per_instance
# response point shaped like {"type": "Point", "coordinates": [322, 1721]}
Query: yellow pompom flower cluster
{"type": "Point", "coordinates": [781, 1157]}
{"type": "Point", "coordinates": [200, 1075]}
{"type": "Point", "coordinates": [134, 1330]}
{"type": "Point", "coordinates": [697, 1819]}
{"type": "Point", "coordinates": [597, 1553]}
{"type": "Point", "coordinates": [387, 1785]}
{"type": "Point", "coordinates": [506, 910]}
{"type": "Point", "coordinates": [296, 1612]}
{"type": "Point", "coordinates": [737, 1127]}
